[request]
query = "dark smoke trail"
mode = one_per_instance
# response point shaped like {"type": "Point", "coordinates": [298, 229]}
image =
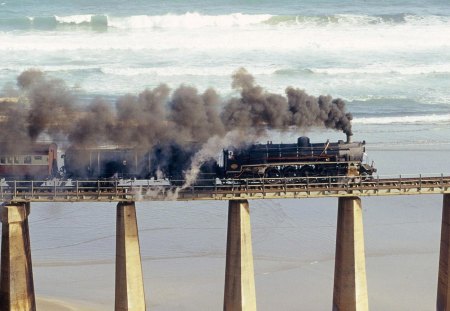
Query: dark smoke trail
{"type": "Point", "coordinates": [13, 128]}
{"type": "Point", "coordinates": [194, 116]}
{"type": "Point", "coordinates": [168, 124]}
{"type": "Point", "coordinates": [258, 108]}
{"type": "Point", "coordinates": [141, 120]}
{"type": "Point", "coordinates": [95, 126]}
{"type": "Point", "coordinates": [51, 104]}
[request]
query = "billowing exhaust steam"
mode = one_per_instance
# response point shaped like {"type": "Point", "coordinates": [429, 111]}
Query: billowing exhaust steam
{"type": "Point", "coordinates": [161, 118]}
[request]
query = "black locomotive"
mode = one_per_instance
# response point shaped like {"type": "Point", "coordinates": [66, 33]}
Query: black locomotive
{"type": "Point", "coordinates": [302, 159]}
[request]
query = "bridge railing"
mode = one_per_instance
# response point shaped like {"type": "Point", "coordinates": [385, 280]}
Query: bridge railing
{"type": "Point", "coordinates": [132, 189]}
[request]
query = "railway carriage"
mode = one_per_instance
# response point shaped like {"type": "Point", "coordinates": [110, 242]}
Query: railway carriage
{"type": "Point", "coordinates": [38, 161]}
{"type": "Point", "coordinates": [102, 162]}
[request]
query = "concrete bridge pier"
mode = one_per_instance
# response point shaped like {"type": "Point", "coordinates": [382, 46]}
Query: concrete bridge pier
{"type": "Point", "coordinates": [239, 273]}
{"type": "Point", "coordinates": [443, 289]}
{"type": "Point", "coordinates": [16, 276]}
{"type": "Point", "coordinates": [350, 284]}
{"type": "Point", "coordinates": [130, 294]}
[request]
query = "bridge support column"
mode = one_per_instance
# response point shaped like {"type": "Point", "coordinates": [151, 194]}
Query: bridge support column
{"type": "Point", "coordinates": [16, 284]}
{"type": "Point", "coordinates": [350, 285]}
{"type": "Point", "coordinates": [130, 294]}
{"type": "Point", "coordinates": [443, 290]}
{"type": "Point", "coordinates": [239, 273]}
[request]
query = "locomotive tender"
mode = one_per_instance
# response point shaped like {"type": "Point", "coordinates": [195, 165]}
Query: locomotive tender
{"type": "Point", "coordinates": [295, 160]}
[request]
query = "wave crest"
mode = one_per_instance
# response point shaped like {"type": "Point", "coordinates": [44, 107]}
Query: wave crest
{"type": "Point", "coordinates": [196, 20]}
{"type": "Point", "coordinates": [188, 20]}
{"type": "Point", "coordinates": [356, 20]}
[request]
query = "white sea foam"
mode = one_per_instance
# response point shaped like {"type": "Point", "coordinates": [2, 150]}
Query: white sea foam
{"type": "Point", "coordinates": [183, 71]}
{"type": "Point", "coordinates": [347, 56]}
{"type": "Point", "coordinates": [270, 40]}
{"type": "Point", "coordinates": [345, 20]}
{"type": "Point", "coordinates": [186, 21]}
{"type": "Point", "coordinates": [74, 19]}
{"type": "Point", "coordinates": [388, 68]}
{"type": "Point", "coordinates": [194, 19]}
{"type": "Point", "coordinates": [422, 119]}
{"type": "Point", "coordinates": [238, 32]}
{"type": "Point", "coordinates": [55, 68]}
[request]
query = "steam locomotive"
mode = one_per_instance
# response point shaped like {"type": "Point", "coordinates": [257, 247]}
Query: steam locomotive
{"type": "Point", "coordinates": [302, 159]}
{"type": "Point", "coordinates": [171, 161]}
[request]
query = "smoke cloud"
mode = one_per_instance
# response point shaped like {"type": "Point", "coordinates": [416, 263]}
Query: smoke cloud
{"type": "Point", "coordinates": [161, 118]}
{"type": "Point", "coordinates": [261, 109]}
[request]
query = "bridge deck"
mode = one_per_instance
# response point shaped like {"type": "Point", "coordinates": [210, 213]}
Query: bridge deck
{"type": "Point", "coordinates": [142, 190]}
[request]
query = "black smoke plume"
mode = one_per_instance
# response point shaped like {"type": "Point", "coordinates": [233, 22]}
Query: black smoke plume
{"type": "Point", "coordinates": [51, 104]}
{"type": "Point", "coordinates": [257, 108]}
{"type": "Point", "coordinates": [159, 119]}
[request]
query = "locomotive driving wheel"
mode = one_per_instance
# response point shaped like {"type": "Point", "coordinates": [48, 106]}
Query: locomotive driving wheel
{"type": "Point", "coordinates": [290, 171]}
{"type": "Point", "coordinates": [272, 175]}
{"type": "Point", "coordinates": [306, 172]}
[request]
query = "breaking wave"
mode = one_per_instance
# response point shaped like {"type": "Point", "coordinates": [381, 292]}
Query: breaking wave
{"type": "Point", "coordinates": [187, 21]}
{"type": "Point", "coordinates": [191, 20]}
{"type": "Point", "coordinates": [359, 20]}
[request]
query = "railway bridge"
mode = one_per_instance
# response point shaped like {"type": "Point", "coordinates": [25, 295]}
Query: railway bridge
{"type": "Point", "coordinates": [350, 285]}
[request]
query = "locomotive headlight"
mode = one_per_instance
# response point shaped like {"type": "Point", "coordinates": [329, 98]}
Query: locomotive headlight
{"type": "Point", "coordinates": [234, 166]}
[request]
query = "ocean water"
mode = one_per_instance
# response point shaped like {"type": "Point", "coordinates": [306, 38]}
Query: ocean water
{"type": "Point", "coordinates": [389, 60]}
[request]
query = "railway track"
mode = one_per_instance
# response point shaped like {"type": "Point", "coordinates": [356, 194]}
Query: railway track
{"type": "Point", "coordinates": [262, 188]}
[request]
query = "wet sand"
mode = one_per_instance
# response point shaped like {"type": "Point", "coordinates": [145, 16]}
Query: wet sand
{"type": "Point", "coordinates": [294, 241]}
{"type": "Point", "coordinates": [48, 304]}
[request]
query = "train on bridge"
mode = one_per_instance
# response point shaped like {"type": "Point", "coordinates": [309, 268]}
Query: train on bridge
{"type": "Point", "coordinates": [171, 161]}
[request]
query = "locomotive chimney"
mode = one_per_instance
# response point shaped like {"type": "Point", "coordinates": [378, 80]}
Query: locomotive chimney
{"type": "Point", "coordinates": [349, 138]}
